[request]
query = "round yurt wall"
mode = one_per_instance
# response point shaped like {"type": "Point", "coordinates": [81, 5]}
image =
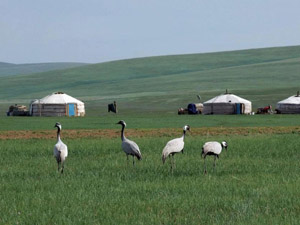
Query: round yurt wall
{"type": "Point", "coordinates": [227, 104]}
{"type": "Point", "coordinates": [290, 105]}
{"type": "Point", "coordinates": [57, 104]}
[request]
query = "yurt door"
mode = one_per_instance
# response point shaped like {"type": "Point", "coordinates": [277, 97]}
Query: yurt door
{"type": "Point", "coordinates": [238, 108]}
{"type": "Point", "coordinates": [71, 109]}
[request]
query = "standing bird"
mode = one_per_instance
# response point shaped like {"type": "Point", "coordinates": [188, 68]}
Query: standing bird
{"type": "Point", "coordinates": [174, 146]}
{"type": "Point", "coordinates": [60, 149]}
{"type": "Point", "coordinates": [129, 147]}
{"type": "Point", "coordinates": [213, 148]}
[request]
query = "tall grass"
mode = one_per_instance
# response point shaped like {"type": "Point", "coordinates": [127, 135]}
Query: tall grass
{"type": "Point", "coordinates": [257, 181]}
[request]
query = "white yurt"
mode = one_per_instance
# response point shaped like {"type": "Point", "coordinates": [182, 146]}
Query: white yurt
{"type": "Point", "coordinates": [227, 104]}
{"type": "Point", "coordinates": [290, 105]}
{"type": "Point", "coordinates": [57, 104]}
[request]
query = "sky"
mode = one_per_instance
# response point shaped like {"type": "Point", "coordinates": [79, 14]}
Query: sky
{"type": "Point", "coordinates": [93, 31]}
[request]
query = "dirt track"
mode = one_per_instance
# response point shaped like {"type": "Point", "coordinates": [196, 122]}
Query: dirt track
{"type": "Point", "coordinates": [164, 132]}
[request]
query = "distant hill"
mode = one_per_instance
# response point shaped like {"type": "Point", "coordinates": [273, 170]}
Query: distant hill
{"type": "Point", "coordinates": [7, 69]}
{"type": "Point", "coordinates": [165, 83]}
{"type": "Point", "coordinates": [5, 64]}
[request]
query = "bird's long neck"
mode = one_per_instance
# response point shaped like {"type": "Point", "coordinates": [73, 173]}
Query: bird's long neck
{"type": "Point", "coordinates": [183, 134]}
{"type": "Point", "coordinates": [122, 133]}
{"type": "Point", "coordinates": [58, 134]}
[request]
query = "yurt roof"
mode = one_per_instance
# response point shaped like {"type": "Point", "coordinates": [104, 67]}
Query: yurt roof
{"type": "Point", "coordinates": [58, 98]}
{"type": "Point", "coordinates": [225, 98]}
{"type": "Point", "coordinates": [291, 100]}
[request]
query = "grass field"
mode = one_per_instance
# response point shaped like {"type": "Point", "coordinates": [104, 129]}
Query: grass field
{"type": "Point", "coordinates": [148, 121]}
{"type": "Point", "coordinates": [257, 181]}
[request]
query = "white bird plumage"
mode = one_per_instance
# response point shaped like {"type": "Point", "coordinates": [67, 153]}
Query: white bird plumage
{"type": "Point", "coordinates": [174, 146]}
{"type": "Point", "coordinates": [128, 146]}
{"type": "Point", "coordinates": [213, 148]}
{"type": "Point", "coordinates": [60, 149]}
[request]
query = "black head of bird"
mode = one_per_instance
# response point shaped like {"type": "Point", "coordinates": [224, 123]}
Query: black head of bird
{"type": "Point", "coordinates": [122, 122]}
{"type": "Point", "coordinates": [224, 145]}
{"type": "Point", "coordinates": [187, 127]}
{"type": "Point", "coordinates": [202, 153]}
{"type": "Point", "coordinates": [58, 125]}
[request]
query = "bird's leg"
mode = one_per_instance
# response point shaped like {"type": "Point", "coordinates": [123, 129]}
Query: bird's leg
{"type": "Point", "coordinates": [215, 163]}
{"type": "Point", "coordinates": [58, 160]}
{"type": "Point", "coordinates": [62, 167]}
{"type": "Point", "coordinates": [127, 159]}
{"type": "Point", "coordinates": [170, 159]}
{"type": "Point", "coordinates": [205, 166]}
{"type": "Point", "coordinates": [133, 160]}
{"type": "Point", "coordinates": [174, 161]}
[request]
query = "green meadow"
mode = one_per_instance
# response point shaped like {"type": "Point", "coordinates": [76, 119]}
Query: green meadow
{"type": "Point", "coordinates": [256, 181]}
{"type": "Point", "coordinates": [148, 121]}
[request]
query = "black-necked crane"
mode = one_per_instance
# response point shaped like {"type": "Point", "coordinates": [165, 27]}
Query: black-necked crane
{"type": "Point", "coordinates": [60, 149]}
{"type": "Point", "coordinates": [174, 146]}
{"type": "Point", "coordinates": [213, 148]}
{"type": "Point", "coordinates": [128, 146]}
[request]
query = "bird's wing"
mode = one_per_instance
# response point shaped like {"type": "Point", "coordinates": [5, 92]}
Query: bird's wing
{"type": "Point", "coordinates": [130, 147]}
{"type": "Point", "coordinates": [212, 146]}
{"type": "Point", "coordinates": [56, 151]}
{"type": "Point", "coordinates": [173, 146]}
{"type": "Point", "coordinates": [61, 148]}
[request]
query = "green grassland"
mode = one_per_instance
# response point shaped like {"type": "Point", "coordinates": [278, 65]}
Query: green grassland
{"type": "Point", "coordinates": [148, 121]}
{"type": "Point", "coordinates": [257, 181]}
{"type": "Point", "coordinates": [165, 83]}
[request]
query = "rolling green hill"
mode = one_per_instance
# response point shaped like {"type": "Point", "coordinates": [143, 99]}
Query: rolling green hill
{"type": "Point", "coordinates": [7, 69]}
{"type": "Point", "coordinates": [4, 64]}
{"type": "Point", "coordinates": [164, 83]}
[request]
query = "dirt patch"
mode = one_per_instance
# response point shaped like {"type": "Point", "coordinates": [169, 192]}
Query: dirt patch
{"type": "Point", "coordinates": [164, 132]}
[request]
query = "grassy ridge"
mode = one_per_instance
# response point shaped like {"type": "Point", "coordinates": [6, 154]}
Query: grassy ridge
{"type": "Point", "coordinates": [162, 84]}
{"type": "Point", "coordinates": [254, 183]}
{"type": "Point", "coordinates": [8, 69]}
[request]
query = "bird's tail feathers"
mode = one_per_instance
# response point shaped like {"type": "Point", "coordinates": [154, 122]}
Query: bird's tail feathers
{"type": "Point", "coordinates": [58, 156]}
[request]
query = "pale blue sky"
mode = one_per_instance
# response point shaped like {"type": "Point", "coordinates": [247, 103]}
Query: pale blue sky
{"type": "Point", "coordinates": [103, 30]}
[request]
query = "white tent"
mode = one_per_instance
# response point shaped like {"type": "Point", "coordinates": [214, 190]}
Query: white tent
{"type": "Point", "coordinates": [57, 104]}
{"type": "Point", "coordinates": [227, 104]}
{"type": "Point", "coordinates": [290, 105]}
